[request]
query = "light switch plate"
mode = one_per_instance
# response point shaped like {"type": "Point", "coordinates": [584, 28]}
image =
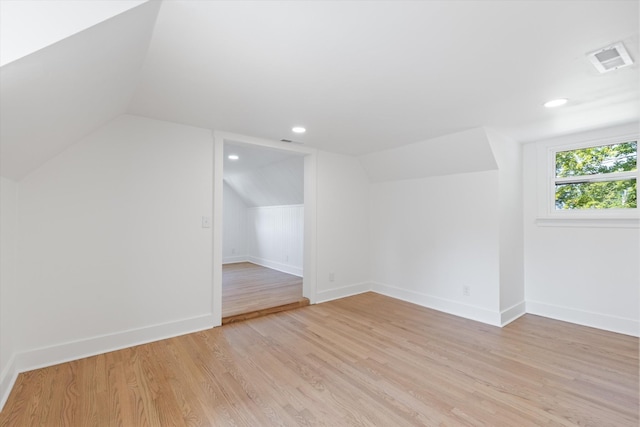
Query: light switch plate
{"type": "Point", "coordinates": [206, 222]}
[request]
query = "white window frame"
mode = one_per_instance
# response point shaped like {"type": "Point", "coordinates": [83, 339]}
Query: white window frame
{"type": "Point", "coordinates": [550, 216]}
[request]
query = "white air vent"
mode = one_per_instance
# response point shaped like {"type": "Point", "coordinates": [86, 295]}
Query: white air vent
{"type": "Point", "coordinates": [610, 58]}
{"type": "Point", "coordinates": [292, 142]}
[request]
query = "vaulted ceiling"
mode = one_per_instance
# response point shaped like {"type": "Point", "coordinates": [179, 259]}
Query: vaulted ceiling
{"type": "Point", "coordinates": [263, 176]}
{"type": "Point", "coordinates": [61, 93]}
{"type": "Point", "coordinates": [361, 76]}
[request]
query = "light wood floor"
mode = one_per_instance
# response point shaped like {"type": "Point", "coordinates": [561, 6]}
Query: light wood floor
{"type": "Point", "coordinates": [367, 360]}
{"type": "Point", "coordinates": [248, 288]}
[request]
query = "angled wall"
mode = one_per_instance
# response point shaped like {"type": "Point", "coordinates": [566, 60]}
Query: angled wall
{"type": "Point", "coordinates": [30, 26]}
{"type": "Point", "coordinates": [460, 152]}
{"type": "Point", "coordinates": [276, 184]}
{"type": "Point", "coordinates": [56, 96]}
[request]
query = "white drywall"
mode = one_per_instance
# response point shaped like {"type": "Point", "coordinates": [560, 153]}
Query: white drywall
{"type": "Point", "coordinates": [27, 25]}
{"type": "Point", "coordinates": [581, 274]}
{"type": "Point", "coordinates": [234, 233]}
{"type": "Point", "coordinates": [508, 155]}
{"type": "Point", "coordinates": [54, 97]}
{"type": "Point", "coordinates": [460, 152]}
{"type": "Point", "coordinates": [111, 250]}
{"type": "Point", "coordinates": [8, 228]}
{"type": "Point", "coordinates": [431, 237]}
{"type": "Point", "coordinates": [342, 227]}
{"type": "Point", "coordinates": [275, 237]}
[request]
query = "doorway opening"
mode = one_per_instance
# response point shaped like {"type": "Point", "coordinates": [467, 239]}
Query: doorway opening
{"type": "Point", "coordinates": [265, 228]}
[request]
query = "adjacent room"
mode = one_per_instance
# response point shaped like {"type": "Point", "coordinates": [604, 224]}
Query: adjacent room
{"type": "Point", "coordinates": [263, 231]}
{"type": "Point", "coordinates": [372, 213]}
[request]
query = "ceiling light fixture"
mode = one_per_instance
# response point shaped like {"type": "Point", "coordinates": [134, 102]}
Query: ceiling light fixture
{"type": "Point", "coordinates": [556, 102]}
{"type": "Point", "coordinates": [298, 129]}
{"type": "Point", "coordinates": [233, 157]}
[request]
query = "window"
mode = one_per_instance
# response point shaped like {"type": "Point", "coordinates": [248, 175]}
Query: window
{"type": "Point", "coordinates": [597, 177]}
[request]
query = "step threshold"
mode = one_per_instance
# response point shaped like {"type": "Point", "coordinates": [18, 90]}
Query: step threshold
{"type": "Point", "coordinates": [302, 302]}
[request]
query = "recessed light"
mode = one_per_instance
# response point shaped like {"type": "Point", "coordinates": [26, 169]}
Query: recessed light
{"type": "Point", "coordinates": [556, 102]}
{"type": "Point", "coordinates": [299, 129]}
{"type": "Point", "coordinates": [233, 157]}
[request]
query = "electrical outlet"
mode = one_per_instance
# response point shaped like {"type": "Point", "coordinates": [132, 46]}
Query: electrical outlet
{"type": "Point", "coordinates": [206, 222]}
{"type": "Point", "coordinates": [466, 291]}
{"type": "Point", "coordinates": [332, 277]}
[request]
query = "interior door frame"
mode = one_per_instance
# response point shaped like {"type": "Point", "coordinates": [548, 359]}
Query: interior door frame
{"type": "Point", "coordinates": [310, 213]}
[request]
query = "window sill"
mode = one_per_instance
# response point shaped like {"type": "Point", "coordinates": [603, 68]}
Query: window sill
{"type": "Point", "coordinates": [598, 222]}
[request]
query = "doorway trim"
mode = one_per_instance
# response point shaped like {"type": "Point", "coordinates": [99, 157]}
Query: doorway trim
{"type": "Point", "coordinates": [310, 213]}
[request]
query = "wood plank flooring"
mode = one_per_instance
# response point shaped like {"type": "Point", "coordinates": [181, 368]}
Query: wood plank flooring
{"type": "Point", "coordinates": [367, 360]}
{"type": "Point", "coordinates": [250, 290]}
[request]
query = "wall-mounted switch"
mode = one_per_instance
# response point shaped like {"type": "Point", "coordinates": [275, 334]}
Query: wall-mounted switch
{"type": "Point", "coordinates": [206, 222]}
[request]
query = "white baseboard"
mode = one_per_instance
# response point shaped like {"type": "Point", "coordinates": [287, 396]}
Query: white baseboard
{"type": "Point", "coordinates": [512, 313]}
{"type": "Point", "coordinates": [343, 292]}
{"type": "Point", "coordinates": [447, 306]}
{"type": "Point", "coordinates": [606, 322]}
{"type": "Point", "coordinates": [53, 355]}
{"type": "Point", "coordinates": [7, 379]}
{"type": "Point", "coordinates": [234, 259]}
{"type": "Point", "coordinates": [274, 265]}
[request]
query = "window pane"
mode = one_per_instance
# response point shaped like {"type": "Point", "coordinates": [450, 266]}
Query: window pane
{"type": "Point", "coordinates": [595, 160]}
{"type": "Point", "coordinates": [597, 195]}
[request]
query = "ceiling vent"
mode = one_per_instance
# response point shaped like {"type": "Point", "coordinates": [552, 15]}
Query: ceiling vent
{"type": "Point", "coordinates": [610, 58]}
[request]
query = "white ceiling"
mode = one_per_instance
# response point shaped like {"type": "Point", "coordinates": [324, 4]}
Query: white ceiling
{"type": "Point", "coordinates": [368, 75]}
{"type": "Point", "coordinates": [361, 76]}
{"type": "Point", "coordinates": [252, 157]}
{"type": "Point", "coordinates": [57, 95]}
{"type": "Point", "coordinates": [264, 176]}
{"type": "Point", "coordinates": [27, 26]}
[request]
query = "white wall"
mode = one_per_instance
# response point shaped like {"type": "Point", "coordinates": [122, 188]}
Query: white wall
{"type": "Point", "coordinates": [111, 251]}
{"type": "Point", "coordinates": [508, 154]}
{"type": "Point", "coordinates": [435, 224]}
{"type": "Point", "coordinates": [585, 275]}
{"type": "Point", "coordinates": [8, 226]}
{"type": "Point", "coordinates": [234, 233]}
{"type": "Point", "coordinates": [342, 226]}
{"type": "Point", "coordinates": [433, 236]}
{"type": "Point", "coordinates": [275, 237]}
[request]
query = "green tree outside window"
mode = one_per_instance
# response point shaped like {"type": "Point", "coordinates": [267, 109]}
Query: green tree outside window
{"type": "Point", "coordinates": [597, 177]}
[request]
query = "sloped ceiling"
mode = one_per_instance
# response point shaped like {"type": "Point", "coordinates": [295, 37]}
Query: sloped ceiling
{"type": "Point", "coordinates": [460, 152]}
{"type": "Point", "coordinates": [361, 76]}
{"type": "Point", "coordinates": [264, 176]}
{"type": "Point", "coordinates": [27, 26]}
{"type": "Point", "coordinates": [55, 96]}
